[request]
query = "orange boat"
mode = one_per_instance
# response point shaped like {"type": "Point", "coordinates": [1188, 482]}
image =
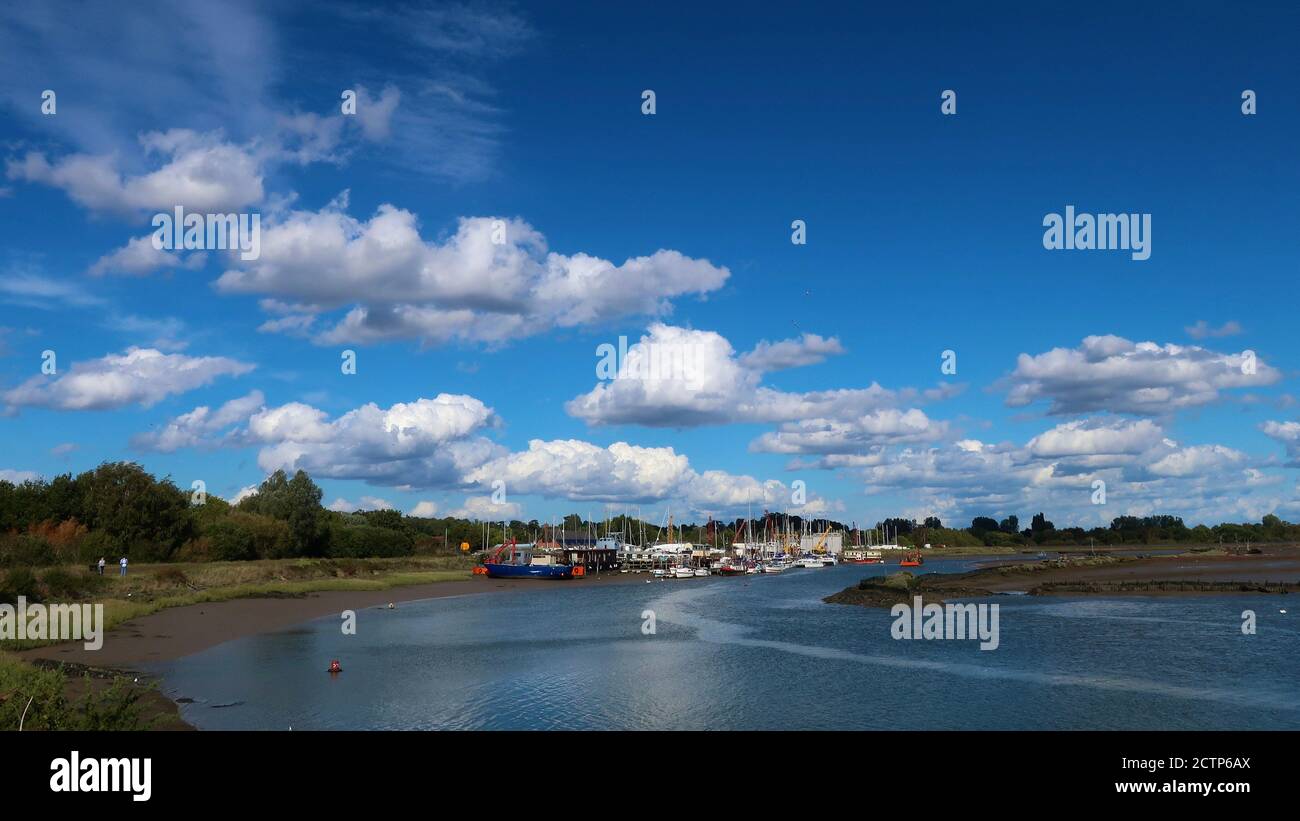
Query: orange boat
{"type": "Point", "coordinates": [912, 559]}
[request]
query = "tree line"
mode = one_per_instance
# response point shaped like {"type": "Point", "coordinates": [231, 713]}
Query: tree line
{"type": "Point", "coordinates": [1123, 530]}
{"type": "Point", "coordinates": [120, 509]}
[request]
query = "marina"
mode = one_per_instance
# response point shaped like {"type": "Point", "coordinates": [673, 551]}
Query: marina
{"type": "Point", "coordinates": [565, 554]}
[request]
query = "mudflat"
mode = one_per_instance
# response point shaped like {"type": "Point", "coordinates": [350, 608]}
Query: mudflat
{"type": "Point", "coordinates": [1277, 565]}
{"type": "Point", "coordinates": [1275, 569]}
{"type": "Point", "coordinates": [180, 631]}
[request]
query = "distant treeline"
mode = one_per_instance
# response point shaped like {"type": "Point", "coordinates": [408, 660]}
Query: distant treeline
{"type": "Point", "coordinates": [120, 509]}
{"type": "Point", "coordinates": [1123, 530]}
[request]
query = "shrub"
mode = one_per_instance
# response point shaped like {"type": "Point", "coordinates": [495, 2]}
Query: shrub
{"type": "Point", "coordinates": [145, 550]}
{"type": "Point", "coordinates": [38, 692]}
{"type": "Point", "coordinates": [37, 699]}
{"type": "Point", "coordinates": [116, 708]}
{"type": "Point", "coordinates": [243, 535]}
{"type": "Point", "coordinates": [97, 544]}
{"type": "Point", "coordinates": [172, 575]}
{"type": "Point", "coordinates": [195, 550]}
{"type": "Point", "coordinates": [26, 550]}
{"type": "Point", "coordinates": [996, 539]}
{"type": "Point", "coordinates": [228, 542]}
{"type": "Point", "coordinates": [63, 538]}
{"type": "Point", "coordinates": [64, 584]}
{"type": "Point", "coordinates": [365, 541]}
{"type": "Point", "coordinates": [20, 581]}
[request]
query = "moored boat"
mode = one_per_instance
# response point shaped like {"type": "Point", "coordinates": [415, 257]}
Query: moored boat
{"type": "Point", "coordinates": [502, 570]}
{"type": "Point", "coordinates": [514, 561]}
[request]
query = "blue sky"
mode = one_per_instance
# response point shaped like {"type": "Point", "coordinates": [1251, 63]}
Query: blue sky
{"type": "Point", "coordinates": [816, 363]}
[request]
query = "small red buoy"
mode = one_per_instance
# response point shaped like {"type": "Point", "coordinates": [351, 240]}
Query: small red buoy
{"type": "Point", "coordinates": [335, 667]}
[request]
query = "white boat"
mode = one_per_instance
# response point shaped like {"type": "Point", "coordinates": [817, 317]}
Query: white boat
{"type": "Point", "coordinates": [683, 573]}
{"type": "Point", "coordinates": [673, 548]}
{"type": "Point", "coordinates": [774, 567]}
{"type": "Point", "coordinates": [809, 561]}
{"type": "Point", "coordinates": [700, 571]}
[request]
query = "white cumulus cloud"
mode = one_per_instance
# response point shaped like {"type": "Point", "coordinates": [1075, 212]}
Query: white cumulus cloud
{"type": "Point", "coordinates": [492, 280]}
{"type": "Point", "coordinates": [143, 376]}
{"type": "Point", "coordinates": [1110, 373]}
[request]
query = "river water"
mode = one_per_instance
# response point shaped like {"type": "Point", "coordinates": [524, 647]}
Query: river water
{"type": "Point", "coordinates": [754, 652]}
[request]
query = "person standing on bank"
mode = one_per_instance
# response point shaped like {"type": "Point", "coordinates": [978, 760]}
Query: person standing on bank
{"type": "Point", "coordinates": [101, 565]}
{"type": "Point", "coordinates": [123, 563]}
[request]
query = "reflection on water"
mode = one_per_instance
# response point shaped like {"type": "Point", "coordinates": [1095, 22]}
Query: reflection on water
{"type": "Point", "coordinates": [751, 653]}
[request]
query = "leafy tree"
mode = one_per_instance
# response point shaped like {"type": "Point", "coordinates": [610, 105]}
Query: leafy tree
{"type": "Point", "coordinates": [134, 510]}
{"type": "Point", "coordinates": [305, 521]}
{"type": "Point", "coordinates": [296, 502]}
{"type": "Point", "coordinates": [1011, 524]}
{"type": "Point", "coordinates": [391, 519]}
{"type": "Point", "coordinates": [271, 498]}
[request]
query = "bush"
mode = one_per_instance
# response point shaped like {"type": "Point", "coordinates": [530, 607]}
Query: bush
{"type": "Point", "coordinates": [144, 550]}
{"type": "Point", "coordinates": [65, 584]}
{"type": "Point", "coordinates": [26, 550]}
{"type": "Point", "coordinates": [241, 536]}
{"type": "Point", "coordinates": [363, 541]}
{"type": "Point", "coordinates": [172, 575]}
{"type": "Point", "coordinates": [96, 545]}
{"type": "Point", "coordinates": [20, 581]}
{"type": "Point", "coordinates": [117, 708]}
{"type": "Point", "coordinates": [195, 550]}
{"type": "Point", "coordinates": [63, 538]}
{"type": "Point", "coordinates": [996, 539]}
{"type": "Point", "coordinates": [37, 699]}
{"type": "Point", "coordinates": [228, 542]}
{"type": "Point", "coordinates": [38, 692]}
